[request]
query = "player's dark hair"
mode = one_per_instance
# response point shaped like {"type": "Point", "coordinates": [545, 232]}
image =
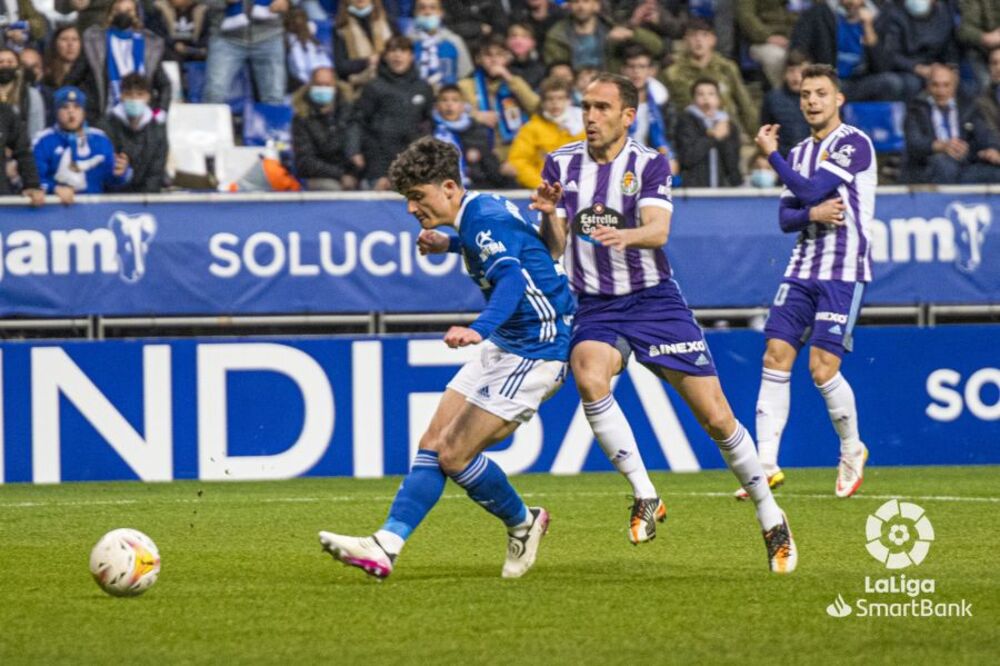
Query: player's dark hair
{"type": "Point", "coordinates": [627, 91]}
{"type": "Point", "coordinates": [704, 81]}
{"type": "Point", "coordinates": [426, 161]}
{"type": "Point", "coordinates": [819, 71]}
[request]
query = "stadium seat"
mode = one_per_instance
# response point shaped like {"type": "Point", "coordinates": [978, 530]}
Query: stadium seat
{"type": "Point", "coordinates": [882, 121]}
{"type": "Point", "coordinates": [173, 71]}
{"type": "Point", "coordinates": [197, 131]}
{"type": "Point", "coordinates": [268, 122]}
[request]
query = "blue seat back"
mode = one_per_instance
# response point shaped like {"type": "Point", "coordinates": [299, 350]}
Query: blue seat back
{"type": "Point", "coordinates": [882, 121]}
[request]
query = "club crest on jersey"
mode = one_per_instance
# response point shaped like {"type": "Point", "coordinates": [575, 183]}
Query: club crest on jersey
{"type": "Point", "coordinates": [842, 155]}
{"type": "Point", "coordinates": [630, 184]}
{"type": "Point", "coordinates": [587, 220]}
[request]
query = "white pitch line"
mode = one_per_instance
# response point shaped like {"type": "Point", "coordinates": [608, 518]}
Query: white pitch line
{"type": "Point", "coordinates": [451, 496]}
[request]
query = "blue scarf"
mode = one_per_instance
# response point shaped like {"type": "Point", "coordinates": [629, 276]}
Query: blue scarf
{"type": "Point", "coordinates": [118, 65]}
{"type": "Point", "coordinates": [657, 125]}
{"type": "Point", "coordinates": [448, 131]}
{"type": "Point", "coordinates": [512, 116]}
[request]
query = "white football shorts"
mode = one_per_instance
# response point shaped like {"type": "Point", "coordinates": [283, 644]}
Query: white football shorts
{"type": "Point", "coordinates": [507, 385]}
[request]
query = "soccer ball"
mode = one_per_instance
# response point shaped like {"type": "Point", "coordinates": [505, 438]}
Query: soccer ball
{"type": "Point", "coordinates": [125, 562]}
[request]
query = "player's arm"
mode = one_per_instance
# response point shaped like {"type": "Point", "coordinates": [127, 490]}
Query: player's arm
{"type": "Point", "coordinates": [508, 288]}
{"type": "Point", "coordinates": [808, 190]}
{"type": "Point", "coordinates": [794, 217]}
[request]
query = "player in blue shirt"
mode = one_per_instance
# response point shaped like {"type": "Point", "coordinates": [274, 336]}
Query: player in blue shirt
{"type": "Point", "coordinates": [524, 335]}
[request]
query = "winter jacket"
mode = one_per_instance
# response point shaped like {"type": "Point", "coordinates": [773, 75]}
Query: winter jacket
{"type": "Point", "coordinates": [37, 26]}
{"type": "Point", "coordinates": [356, 41]}
{"type": "Point", "coordinates": [28, 103]}
{"type": "Point", "coordinates": [815, 36]}
{"type": "Point", "coordinates": [95, 83]}
{"type": "Point", "coordinates": [527, 99]}
{"type": "Point", "coordinates": [145, 145]}
{"type": "Point", "coordinates": [87, 166]}
{"type": "Point", "coordinates": [453, 56]}
{"type": "Point", "coordinates": [531, 146]}
{"type": "Point", "coordinates": [918, 128]}
{"type": "Point", "coordinates": [393, 110]}
{"type": "Point", "coordinates": [978, 16]}
{"type": "Point", "coordinates": [14, 139]}
{"type": "Point", "coordinates": [482, 168]}
{"type": "Point", "coordinates": [466, 17]}
{"type": "Point", "coordinates": [680, 76]}
{"type": "Point", "coordinates": [323, 142]}
{"type": "Point", "coordinates": [694, 148]}
{"type": "Point", "coordinates": [560, 38]}
{"type": "Point", "coordinates": [759, 19]}
{"type": "Point", "coordinates": [165, 20]}
{"type": "Point", "coordinates": [907, 41]}
{"type": "Point", "coordinates": [781, 106]}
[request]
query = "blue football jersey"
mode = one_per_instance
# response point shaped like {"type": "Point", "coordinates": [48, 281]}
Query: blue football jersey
{"type": "Point", "coordinates": [492, 231]}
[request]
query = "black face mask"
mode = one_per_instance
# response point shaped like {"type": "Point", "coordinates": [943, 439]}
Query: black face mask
{"type": "Point", "coordinates": [7, 74]}
{"type": "Point", "coordinates": [121, 21]}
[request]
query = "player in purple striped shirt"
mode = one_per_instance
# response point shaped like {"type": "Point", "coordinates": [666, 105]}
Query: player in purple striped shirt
{"type": "Point", "coordinates": [829, 197]}
{"type": "Point", "coordinates": [605, 205]}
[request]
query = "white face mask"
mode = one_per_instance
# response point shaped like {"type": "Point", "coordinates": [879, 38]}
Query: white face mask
{"type": "Point", "coordinates": [763, 178]}
{"type": "Point", "coordinates": [918, 8]}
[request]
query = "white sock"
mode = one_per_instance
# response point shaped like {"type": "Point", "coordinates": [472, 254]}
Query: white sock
{"type": "Point", "coordinates": [739, 453]}
{"type": "Point", "coordinates": [614, 434]}
{"type": "Point", "coordinates": [391, 542]}
{"type": "Point", "coordinates": [843, 412]}
{"type": "Point", "coordinates": [522, 527]}
{"type": "Point", "coordinates": [773, 402]}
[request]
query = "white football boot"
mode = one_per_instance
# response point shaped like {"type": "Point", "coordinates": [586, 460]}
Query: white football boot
{"type": "Point", "coordinates": [521, 551]}
{"type": "Point", "coordinates": [782, 555]}
{"type": "Point", "coordinates": [851, 472]}
{"type": "Point", "coordinates": [365, 553]}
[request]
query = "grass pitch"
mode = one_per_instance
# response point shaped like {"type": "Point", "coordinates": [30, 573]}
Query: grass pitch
{"type": "Point", "coordinates": [244, 580]}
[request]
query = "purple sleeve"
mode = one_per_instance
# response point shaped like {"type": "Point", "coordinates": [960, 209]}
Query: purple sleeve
{"type": "Point", "coordinates": [655, 184]}
{"type": "Point", "coordinates": [550, 172]}
{"type": "Point", "coordinates": [807, 190]}
{"type": "Point", "coordinates": [849, 156]}
{"type": "Point", "coordinates": [791, 217]}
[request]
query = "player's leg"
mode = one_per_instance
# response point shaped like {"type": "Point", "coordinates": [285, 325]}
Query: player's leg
{"type": "Point", "coordinates": [836, 315]}
{"type": "Point", "coordinates": [598, 355]}
{"type": "Point", "coordinates": [419, 491]}
{"type": "Point", "coordinates": [788, 325]}
{"type": "Point", "coordinates": [704, 396]}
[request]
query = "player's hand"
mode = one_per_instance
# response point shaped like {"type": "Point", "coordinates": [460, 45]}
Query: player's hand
{"type": "Point", "coordinates": [546, 197]}
{"type": "Point", "coordinates": [460, 336]}
{"type": "Point", "coordinates": [830, 211]}
{"type": "Point", "coordinates": [767, 138]}
{"type": "Point", "coordinates": [616, 239]}
{"type": "Point", "coordinates": [432, 242]}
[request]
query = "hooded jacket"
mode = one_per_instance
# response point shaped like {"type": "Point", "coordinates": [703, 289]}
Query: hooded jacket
{"type": "Point", "coordinates": [95, 85]}
{"type": "Point", "coordinates": [145, 145]}
{"type": "Point", "coordinates": [323, 142]}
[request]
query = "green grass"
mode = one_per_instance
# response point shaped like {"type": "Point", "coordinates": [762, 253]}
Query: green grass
{"type": "Point", "coordinates": [244, 580]}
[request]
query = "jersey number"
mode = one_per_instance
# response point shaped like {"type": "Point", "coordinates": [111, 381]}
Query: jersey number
{"type": "Point", "coordinates": [779, 298]}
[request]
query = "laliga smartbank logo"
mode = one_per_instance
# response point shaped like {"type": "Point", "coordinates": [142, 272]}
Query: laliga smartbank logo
{"type": "Point", "coordinates": [899, 535]}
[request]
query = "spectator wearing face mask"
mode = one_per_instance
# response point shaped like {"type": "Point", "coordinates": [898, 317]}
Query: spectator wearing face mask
{"type": "Point", "coordinates": [14, 140]}
{"type": "Point", "coordinates": [305, 52]}
{"type": "Point", "coordinates": [500, 99]}
{"type": "Point", "coordinates": [393, 111]}
{"type": "Point", "coordinates": [323, 135]}
{"type": "Point", "coordinates": [557, 123]}
{"type": "Point", "coordinates": [915, 35]}
{"type": "Point", "coordinates": [442, 57]}
{"type": "Point", "coordinates": [121, 47]}
{"type": "Point", "coordinates": [139, 132]}
{"type": "Point", "coordinates": [363, 30]}
{"type": "Point", "coordinates": [708, 142]}
{"type": "Point", "coordinates": [72, 157]}
{"type": "Point", "coordinates": [15, 91]}
{"type": "Point", "coordinates": [480, 168]}
{"type": "Point", "coordinates": [31, 64]}
{"type": "Point", "coordinates": [525, 63]}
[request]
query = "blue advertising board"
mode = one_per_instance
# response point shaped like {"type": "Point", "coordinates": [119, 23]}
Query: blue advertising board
{"type": "Point", "coordinates": [358, 255]}
{"type": "Point", "coordinates": [284, 407]}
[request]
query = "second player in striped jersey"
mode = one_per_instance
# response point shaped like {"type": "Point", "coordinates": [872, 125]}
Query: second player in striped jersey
{"type": "Point", "coordinates": [606, 207]}
{"type": "Point", "coordinates": [828, 200]}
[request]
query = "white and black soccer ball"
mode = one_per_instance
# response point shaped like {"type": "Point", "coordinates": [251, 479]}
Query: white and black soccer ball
{"type": "Point", "coordinates": [125, 562]}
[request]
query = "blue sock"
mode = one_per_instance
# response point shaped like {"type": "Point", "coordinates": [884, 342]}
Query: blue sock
{"type": "Point", "coordinates": [488, 486]}
{"type": "Point", "coordinates": [417, 494]}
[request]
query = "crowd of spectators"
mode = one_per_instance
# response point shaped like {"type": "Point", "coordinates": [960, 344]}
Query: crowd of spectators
{"type": "Point", "coordinates": [85, 93]}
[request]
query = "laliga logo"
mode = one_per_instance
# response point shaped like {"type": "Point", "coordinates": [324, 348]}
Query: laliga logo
{"type": "Point", "coordinates": [899, 534]}
{"type": "Point", "coordinates": [971, 223]}
{"type": "Point", "coordinates": [134, 234]}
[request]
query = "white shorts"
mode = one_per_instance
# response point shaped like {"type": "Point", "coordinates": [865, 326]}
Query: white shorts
{"type": "Point", "coordinates": [507, 385]}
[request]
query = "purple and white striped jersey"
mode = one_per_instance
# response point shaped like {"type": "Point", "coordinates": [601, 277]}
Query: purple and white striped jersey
{"type": "Point", "coordinates": [609, 195]}
{"type": "Point", "coordinates": [827, 252]}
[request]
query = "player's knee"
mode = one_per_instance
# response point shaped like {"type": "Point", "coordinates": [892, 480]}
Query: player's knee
{"type": "Point", "coordinates": [823, 368]}
{"type": "Point", "coordinates": [451, 457]}
{"type": "Point", "coordinates": [431, 441]}
{"type": "Point", "coordinates": [779, 357]}
{"type": "Point", "coordinates": [592, 381]}
{"type": "Point", "coordinates": [720, 424]}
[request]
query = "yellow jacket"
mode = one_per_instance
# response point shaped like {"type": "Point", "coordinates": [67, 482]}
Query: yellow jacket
{"type": "Point", "coordinates": [533, 143]}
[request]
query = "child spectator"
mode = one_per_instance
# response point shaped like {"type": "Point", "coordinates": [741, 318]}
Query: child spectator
{"type": "Point", "coordinates": [138, 131]}
{"type": "Point", "coordinates": [558, 123]}
{"type": "Point", "coordinates": [708, 143]}
{"type": "Point", "coordinates": [452, 123]}
{"type": "Point", "coordinates": [525, 63]}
